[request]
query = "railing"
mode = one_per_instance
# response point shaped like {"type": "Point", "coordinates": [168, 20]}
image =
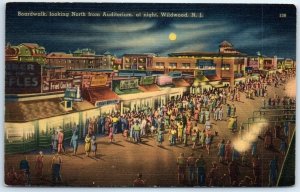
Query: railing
{"type": "Point", "coordinates": [273, 116]}
{"type": "Point", "coordinates": [283, 168]}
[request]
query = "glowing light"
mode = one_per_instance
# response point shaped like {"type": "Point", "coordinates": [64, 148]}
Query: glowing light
{"type": "Point", "coordinates": [290, 88]}
{"type": "Point", "coordinates": [172, 36]}
{"type": "Point", "coordinates": [244, 143]}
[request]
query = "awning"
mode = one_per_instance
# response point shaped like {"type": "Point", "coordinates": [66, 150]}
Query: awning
{"type": "Point", "coordinates": [213, 77]}
{"type": "Point", "coordinates": [149, 88]}
{"type": "Point", "coordinates": [240, 79]}
{"type": "Point", "coordinates": [202, 80]}
{"type": "Point", "coordinates": [101, 96]}
{"type": "Point", "coordinates": [219, 86]}
{"type": "Point", "coordinates": [180, 83]}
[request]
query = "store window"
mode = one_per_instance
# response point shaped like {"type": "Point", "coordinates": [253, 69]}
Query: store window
{"type": "Point", "coordinates": [19, 132]}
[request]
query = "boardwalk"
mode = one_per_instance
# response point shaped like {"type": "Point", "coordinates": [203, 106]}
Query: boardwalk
{"type": "Point", "coordinates": [118, 163]}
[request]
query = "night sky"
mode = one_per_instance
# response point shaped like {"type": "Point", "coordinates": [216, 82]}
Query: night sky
{"type": "Point", "coordinates": [250, 28]}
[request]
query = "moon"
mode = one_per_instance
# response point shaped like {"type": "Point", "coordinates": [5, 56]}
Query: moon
{"type": "Point", "coordinates": [172, 36]}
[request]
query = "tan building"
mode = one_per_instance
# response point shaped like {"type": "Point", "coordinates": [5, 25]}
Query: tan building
{"type": "Point", "coordinates": [228, 63]}
{"type": "Point", "coordinates": [168, 64]}
{"type": "Point", "coordinates": [141, 61]}
{"type": "Point", "coordinates": [81, 59]}
{"type": "Point", "coordinates": [25, 52]}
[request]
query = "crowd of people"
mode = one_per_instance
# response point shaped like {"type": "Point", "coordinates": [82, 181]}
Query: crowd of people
{"type": "Point", "coordinates": [186, 120]}
{"type": "Point", "coordinates": [23, 175]}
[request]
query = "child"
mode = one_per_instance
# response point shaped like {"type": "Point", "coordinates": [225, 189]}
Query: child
{"type": "Point", "coordinates": [125, 134]}
{"type": "Point", "coordinates": [111, 134]}
{"type": "Point", "coordinates": [160, 137]}
{"type": "Point", "coordinates": [194, 138]}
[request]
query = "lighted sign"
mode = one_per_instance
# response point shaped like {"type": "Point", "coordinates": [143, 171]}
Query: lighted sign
{"type": "Point", "coordinates": [164, 80]}
{"type": "Point", "coordinates": [129, 84]}
{"type": "Point", "coordinates": [98, 80]}
{"type": "Point", "coordinates": [72, 94]}
{"type": "Point", "coordinates": [147, 80]}
{"type": "Point", "coordinates": [22, 77]}
{"type": "Point", "coordinates": [198, 73]}
{"type": "Point", "coordinates": [107, 102]}
{"type": "Point", "coordinates": [175, 74]}
{"type": "Point", "coordinates": [254, 64]}
{"type": "Point", "coordinates": [57, 85]}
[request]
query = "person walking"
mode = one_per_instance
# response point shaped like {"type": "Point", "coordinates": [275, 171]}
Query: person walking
{"type": "Point", "coordinates": [87, 146]}
{"type": "Point", "coordinates": [181, 165]}
{"type": "Point", "coordinates": [268, 141]}
{"type": "Point", "coordinates": [180, 131]}
{"type": "Point", "coordinates": [200, 165]}
{"type": "Point", "coordinates": [54, 141]}
{"type": "Point", "coordinates": [228, 151]}
{"type": "Point", "coordinates": [115, 121]}
{"type": "Point", "coordinates": [94, 145]}
{"type": "Point", "coordinates": [228, 110]}
{"type": "Point", "coordinates": [191, 168]}
{"type": "Point", "coordinates": [74, 142]}
{"type": "Point", "coordinates": [220, 113]}
{"type": "Point", "coordinates": [173, 136]}
{"type": "Point", "coordinates": [233, 172]}
{"type": "Point", "coordinates": [160, 137]}
{"type": "Point", "coordinates": [56, 166]}
{"type": "Point", "coordinates": [194, 138]}
{"type": "Point", "coordinates": [254, 148]}
{"type": "Point", "coordinates": [221, 152]}
{"type": "Point", "coordinates": [39, 164]}
{"type": "Point", "coordinates": [273, 169]}
{"type": "Point", "coordinates": [213, 175]}
{"type": "Point", "coordinates": [256, 169]}
{"type": "Point", "coordinates": [136, 130]}
{"type": "Point", "coordinates": [208, 142]}
{"type": "Point", "coordinates": [60, 147]}
{"type": "Point", "coordinates": [24, 167]}
{"type": "Point", "coordinates": [283, 146]}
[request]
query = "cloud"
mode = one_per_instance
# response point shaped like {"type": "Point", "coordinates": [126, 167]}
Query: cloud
{"type": "Point", "coordinates": [255, 37]}
{"type": "Point", "coordinates": [197, 46]}
{"type": "Point", "coordinates": [122, 27]}
{"type": "Point", "coordinates": [195, 25]}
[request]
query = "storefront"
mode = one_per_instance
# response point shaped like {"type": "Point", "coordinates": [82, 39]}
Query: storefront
{"type": "Point", "coordinates": [239, 80]}
{"type": "Point", "coordinates": [143, 96]}
{"type": "Point", "coordinates": [199, 85]}
{"type": "Point", "coordinates": [29, 125]}
{"type": "Point", "coordinates": [255, 76]}
{"type": "Point", "coordinates": [143, 100]}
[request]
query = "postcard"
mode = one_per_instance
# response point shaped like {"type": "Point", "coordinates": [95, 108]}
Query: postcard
{"type": "Point", "coordinates": [150, 95]}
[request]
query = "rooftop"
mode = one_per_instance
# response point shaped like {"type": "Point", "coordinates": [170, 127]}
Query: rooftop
{"type": "Point", "coordinates": [40, 109]}
{"type": "Point", "coordinates": [225, 44]}
{"type": "Point", "coordinates": [32, 45]}
{"type": "Point", "coordinates": [205, 54]}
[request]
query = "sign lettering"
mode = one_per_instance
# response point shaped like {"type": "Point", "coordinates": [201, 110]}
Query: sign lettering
{"type": "Point", "coordinates": [22, 77]}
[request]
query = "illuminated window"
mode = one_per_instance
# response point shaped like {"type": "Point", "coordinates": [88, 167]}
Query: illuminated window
{"type": "Point", "coordinates": [225, 67]}
{"type": "Point", "coordinates": [186, 65]}
{"type": "Point", "coordinates": [159, 64]}
{"type": "Point", "coordinates": [173, 65]}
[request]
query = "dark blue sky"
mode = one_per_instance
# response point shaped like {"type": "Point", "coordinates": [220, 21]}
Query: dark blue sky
{"type": "Point", "coordinates": [250, 28]}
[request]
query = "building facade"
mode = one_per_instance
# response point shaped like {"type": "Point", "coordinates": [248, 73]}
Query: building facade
{"type": "Point", "coordinates": [81, 59]}
{"type": "Point", "coordinates": [141, 61]}
{"type": "Point", "coordinates": [228, 63]}
{"type": "Point", "coordinates": [25, 52]}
